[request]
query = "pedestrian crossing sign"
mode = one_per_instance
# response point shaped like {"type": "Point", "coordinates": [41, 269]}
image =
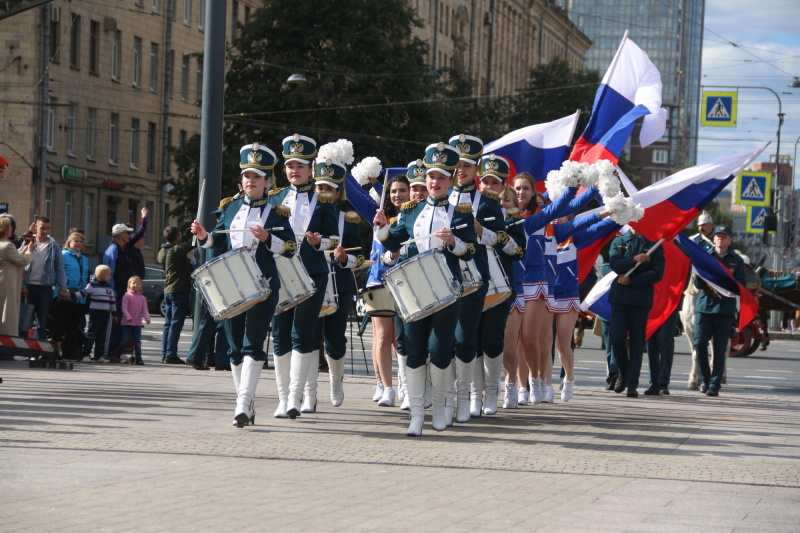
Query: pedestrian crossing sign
{"type": "Point", "coordinates": [755, 218]}
{"type": "Point", "coordinates": [753, 188]}
{"type": "Point", "coordinates": [719, 109]}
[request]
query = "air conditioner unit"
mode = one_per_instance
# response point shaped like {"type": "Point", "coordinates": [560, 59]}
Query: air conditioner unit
{"type": "Point", "coordinates": [109, 24]}
{"type": "Point", "coordinates": [55, 14]}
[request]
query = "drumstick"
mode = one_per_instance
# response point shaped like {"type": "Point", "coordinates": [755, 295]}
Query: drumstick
{"type": "Point", "coordinates": [488, 219]}
{"type": "Point", "coordinates": [383, 193]}
{"type": "Point", "coordinates": [244, 230]}
{"type": "Point", "coordinates": [462, 226]}
{"type": "Point", "coordinates": [199, 207]}
{"type": "Point", "coordinates": [346, 250]}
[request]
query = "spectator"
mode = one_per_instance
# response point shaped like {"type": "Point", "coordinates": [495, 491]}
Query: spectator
{"type": "Point", "coordinates": [11, 266]}
{"type": "Point", "coordinates": [102, 313]}
{"type": "Point", "coordinates": [134, 308]}
{"type": "Point", "coordinates": [44, 276]}
{"type": "Point", "coordinates": [174, 258]}
{"type": "Point", "coordinates": [18, 241]}
{"type": "Point", "coordinates": [133, 247]}
{"type": "Point", "coordinates": [118, 261]}
{"type": "Point", "coordinates": [71, 314]}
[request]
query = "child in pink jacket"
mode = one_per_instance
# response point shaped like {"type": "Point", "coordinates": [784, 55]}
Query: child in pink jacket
{"type": "Point", "coordinates": [134, 307]}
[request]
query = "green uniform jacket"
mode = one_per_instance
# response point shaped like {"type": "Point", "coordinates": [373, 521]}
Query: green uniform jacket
{"type": "Point", "coordinates": [640, 292]}
{"type": "Point", "coordinates": [708, 302]}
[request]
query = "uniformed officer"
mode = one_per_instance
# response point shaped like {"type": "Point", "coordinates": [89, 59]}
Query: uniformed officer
{"type": "Point", "coordinates": [715, 314]}
{"type": "Point", "coordinates": [269, 234]}
{"type": "Point", "coordinates": [631, 298]}
{"type": "Point", "coordinates": [313, 219]}
{"type": "Point", "coordinates": [451, 228]}
{"type": "Point", "coordinates": [704, 237]}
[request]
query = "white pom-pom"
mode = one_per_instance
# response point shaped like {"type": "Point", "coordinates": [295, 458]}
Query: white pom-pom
{"type": "Point", "coordinates": [346, 150]}
{"type": "Point", "coordinates": [607, 183]}
{"type": "Point", "coordinates": [369, 167]}
{"type": "Point", "coordinates": [329, 151]}
{"type": "Point", "coordinates": [554, 184]}
{"type": "Point", "coordinates": [635, 210]}
{"type": "Point", "coordinates": [617, 207]}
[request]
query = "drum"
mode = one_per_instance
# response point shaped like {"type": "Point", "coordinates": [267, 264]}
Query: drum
{"type": "Point", "coordinates": [231, 284]}
{"type": "Point", "coordinates": [378, 301]}
{"type": "Point", "coordinates": [296, 285]}
{"type": "Point", "coordinates": [331, 301]}
{"type": "Point", "coordinates": [499, 291]}
{"type": "Point", "coordinates": [471, 278]}
{"type": "Point", "coordinates": [366, 264]}
{"type": "Point", "coordinates": [422, 285]}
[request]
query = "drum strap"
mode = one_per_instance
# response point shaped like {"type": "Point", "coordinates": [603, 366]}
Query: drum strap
{"type": "Point", "coordinates": [476, 202]}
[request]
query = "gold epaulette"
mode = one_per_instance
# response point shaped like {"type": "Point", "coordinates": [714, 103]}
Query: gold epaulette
{"type": "Point", "coordinates": [326, 197]}
{"type": "Point", "coordinates": [502, 237]}
{"type": "Point", "coordinates": [470, 246]}
{"type": "Point", "coordinates": [360, 260]}
{"type": "Point", "coordinates": [283, 210]}
{"type": "Point", "coordinates": [408, 205]}
{"type": "Point", "coordinates": [488, 193]}
{"type": "Point", "coordinates": [514, 212]}
{"type": "Point", "coordinates": [224, 202]}
{"type": "Point", "coordinates": [464, 207]}
{"type": "Point", "coordinates": [275, 191]}
{"type": "Point", "coordinates": [352, 217]}
{"type": "Point", "coordinates": [393, 220]}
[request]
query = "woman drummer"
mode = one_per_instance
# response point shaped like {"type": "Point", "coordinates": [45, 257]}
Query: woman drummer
{"type": "Point", "coordinates": [313, 219]}
{"type": "Point", "coordinates": [435, 223]}
{"type": "Point", "coordinates": [329, 178]}
{"type": "Point", "coordinates": [269, 233]}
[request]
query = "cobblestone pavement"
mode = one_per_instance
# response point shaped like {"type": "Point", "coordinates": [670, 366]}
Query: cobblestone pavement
{"type": "Point", "coordinates": [118, 448]}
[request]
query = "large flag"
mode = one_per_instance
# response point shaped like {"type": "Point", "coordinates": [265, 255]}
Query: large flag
{"type": "Point", "coordinates": [365, 203]}
{"type": "Point", "coordinates": [536, 149]}
{"type": "Point", "coordinates": [630, 89]}
{"type": "Point", "coordinates": [718, 276]}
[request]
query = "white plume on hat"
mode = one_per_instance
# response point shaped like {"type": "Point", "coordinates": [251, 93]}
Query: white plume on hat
{"type": "Point", "coordinates": [367, 168]}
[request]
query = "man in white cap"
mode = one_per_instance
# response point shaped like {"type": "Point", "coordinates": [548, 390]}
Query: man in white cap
{"type": "Point", "coordinates": [117, 259]}
{"type": "Point", "coordinates": [705, 231]}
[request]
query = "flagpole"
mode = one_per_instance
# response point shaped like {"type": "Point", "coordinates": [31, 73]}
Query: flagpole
{"type": "Point", "coordinates": [649, 252]}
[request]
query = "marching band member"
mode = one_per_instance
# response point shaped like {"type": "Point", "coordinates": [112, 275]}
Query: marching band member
{"type": "Point", "coordinates": [329, 178]}
{"type": "Point", "coordinates": [313, 219]}
{"type": "Point", "coordinates": [510, 248]}
{"type": "Point", "coordinates": [270, 233]}
{"type": "Point", "coordinates": [451, 227]}
{"type": "Point", "coordinates": [490, 230]}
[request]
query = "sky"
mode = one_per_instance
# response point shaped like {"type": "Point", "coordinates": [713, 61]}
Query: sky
{"type": "Point", "coordinates": [753, 43]}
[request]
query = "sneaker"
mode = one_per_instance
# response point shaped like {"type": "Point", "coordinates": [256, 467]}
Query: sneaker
{"type": "Point", "coordinates": [567, 388]}
{"type": "Point", "coordinates": [653, 390]}
{"type": "Point", "coordinates": [548, 395]}
{"type": "Point", "coordinates": [523, 396]}
{"type": "Point", "coordinates": [387, 399]}
{"type": "Point", "coordinates": [511, 395]}
{"type": "Point", "coordinates": [378, 392]}
{"type": "Point", "coordinates": [537, 391]}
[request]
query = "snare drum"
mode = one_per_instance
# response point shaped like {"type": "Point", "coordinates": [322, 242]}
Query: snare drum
{"type": "Point", "coordinates": [331, 301]}
{"type": "Point", "coordinates": [231, 284]}
{"type": "Point", "coordinates": [296, 285]}
{"type": "Point", "coordinates": [499, 291]}
{"type": "Point", "coordinates": [471, 278]}
{"type": "Point", "coordinates": [378, 301]}
{"type": "Point", "coordinates": [422, 285]}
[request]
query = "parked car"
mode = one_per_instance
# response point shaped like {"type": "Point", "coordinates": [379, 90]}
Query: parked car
{"type": "Point", "coordinates": [154, 290]}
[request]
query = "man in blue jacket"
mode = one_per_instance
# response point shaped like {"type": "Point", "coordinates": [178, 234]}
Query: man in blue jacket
{"type": "Point", "coordinates": [46, 271]}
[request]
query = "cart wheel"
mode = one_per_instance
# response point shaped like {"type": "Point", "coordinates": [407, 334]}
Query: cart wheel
{"type": "Point", "coordinates": [740, 346]}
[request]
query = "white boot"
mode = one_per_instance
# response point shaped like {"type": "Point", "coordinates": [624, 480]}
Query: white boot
{"type": "Point", "coordinates": [236, 371]}
{"type": "Point", "coordinates": [450, 401]}
{"type": "Point", "coordinates": [464, 372]}
{"type": "Point", "coordinates": [336, 375]}
{"type": "Point", "coordinates": [283, 364]}
{"type": "Point", "coordinates": [298, 374]}
{"type": "Point", "coordinates": [428, 386]}
{"type": "Point", "coordinates": [406, 402]}
{"type": "Point", "coordinates": [492, 368]}
{"type": "Point", "coordinates": [416, 378]}
{"type": "Point", "coordinates": [310, 390]}
{"type": "Point", "coordinates": [476, 388]}
{"type": "Point", "coordinates": [439, 381]}
{"type": "Point", "coordinates": [245, 412]}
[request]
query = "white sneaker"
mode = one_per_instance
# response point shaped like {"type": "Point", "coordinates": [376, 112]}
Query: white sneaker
{"type": "Point", "coordinates": [566, 390]}
{"type": "Point", "coordinates": [537, 391]}
{"type": "Point", "coordinates": [387, 399]}
{"type": "Point", "coordinates": [378, 392]}
{"type": "Point", "coordinates": [511, 395]}
{"type": "Point", "coordinates": [523, 396]}
{"type": "Point", "coordinates": [548, 395]}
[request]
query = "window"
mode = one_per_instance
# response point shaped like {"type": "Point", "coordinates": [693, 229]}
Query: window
{"type": "Point", "coordinates": [88, 204]}
{"type": "Point", "coordinates": [48, 202]}
{"type": "Point", "coordinates": [75, 42]}
{"type": "Point", "coordinates": [154, 67]}
{"type": "Point", "coordinates": [133, 211]}
{"type": "Point", "coordinates": [91, 116]}
{"type": "Point", "coordinates": [72, 110]}
{"type": "Point", "coordinates": [198, 89]}
{"type": "Point", "coordinates": [658, 175]}
{"type": "Point", "coordinates": [169, 143]}
{"type": "Point", "coordinates": [113, 138]}
{"type": "Point", "coordinates": [134, 143]}
{"type": "Point", "coordinates": [185, 77]}
{"type": "Point", "coordinates": [50, 111]}
{"type": "Point", "coordinates": [201, 15]}
{"type": "Point", "coordinates": [116, 45]}
{"type": "Point", "coordinates": [137, 61]}
{"type": "Point", "coordinates": [172, 72]}
{"type": "Point", "coordinates": [151, 146]}
{"type": "Point", "coordinates": [183, 137]}
{"type": "Point", "coordinates": [68, 199]}
{"type": "Point", "coordinates": [187, 12]}
{"type": "Point", "coordinates": [234, 20]}
{"type": "Point", "coordinates": [94, 46]}
{"type": "Point", "coordinates": [156, 6]}
{"type": "Point", "coordinates": [246, 14]}
{"type": "Point", "coordinates": [55, 34]}
{"type": "Point", "coordinates": [660, 156]}
{"type": "Point", "coordinates": [171, 9]}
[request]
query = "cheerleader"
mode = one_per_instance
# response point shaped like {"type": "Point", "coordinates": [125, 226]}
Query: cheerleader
{"type": "Point", "coordinates": [313, 219]}
{"type": "Point", "coordinates": [451, 228]}
{"type": "Point", "coordinates": [270, 233]}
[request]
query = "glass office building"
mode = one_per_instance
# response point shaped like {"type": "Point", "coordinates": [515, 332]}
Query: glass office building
{"type": "Point", "coordinates": [671, 32]}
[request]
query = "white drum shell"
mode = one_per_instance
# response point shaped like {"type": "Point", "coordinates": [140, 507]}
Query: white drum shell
{"type": "Point", "coordinates": [499, 289]}
{"type": "Point", "coordinates": [231, 284]}
{"type": "Point", "coordinates": [470, 277]}
{"type": "Point", "coordinates": [296, 285]}
{"type": "Point", "coordinates": [378, 301]}
{"type": "Point", "coordinates": [422, 285]}
{"type": "Point", "coordinates": [331, 301]}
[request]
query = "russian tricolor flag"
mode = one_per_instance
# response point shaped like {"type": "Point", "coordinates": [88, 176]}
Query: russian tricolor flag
{"type": "Point", "coordinates": [630, 89]}
{"type": "Point", "coordinates": [362, 201]}
{"type": "Point", "coordinates": [536, 149]}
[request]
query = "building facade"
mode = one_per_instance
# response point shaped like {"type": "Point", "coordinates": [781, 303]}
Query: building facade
{"type": "Point", "coordinates": [671, 32]}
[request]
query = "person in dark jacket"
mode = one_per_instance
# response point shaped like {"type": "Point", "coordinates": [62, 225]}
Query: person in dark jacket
{"type": "Point", "coordinates": [631, 298]}
{"type": "Point", "coordinates": [174, 259]}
